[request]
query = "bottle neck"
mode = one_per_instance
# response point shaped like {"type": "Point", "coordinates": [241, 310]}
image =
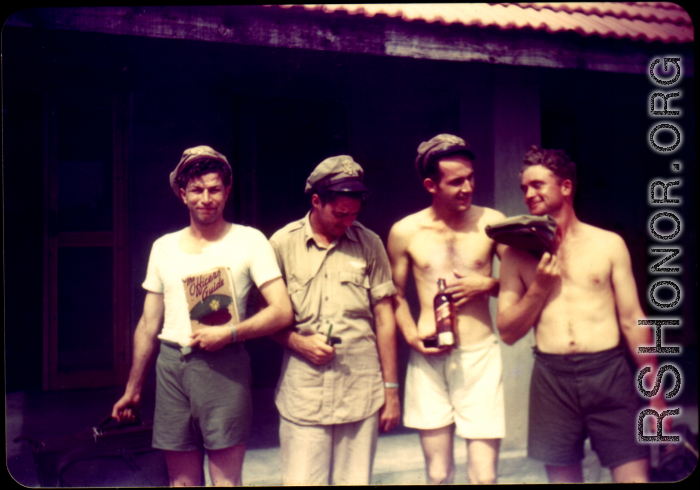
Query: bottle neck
{"type": "Point", "coordinates": [441, 285]}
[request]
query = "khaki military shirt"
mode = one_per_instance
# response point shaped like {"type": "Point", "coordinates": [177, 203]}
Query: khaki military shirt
{"type": "Point", "coordinates": [339, 285]}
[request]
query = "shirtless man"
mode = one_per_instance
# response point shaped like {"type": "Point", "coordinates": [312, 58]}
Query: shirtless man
{"type": "Point", "coordinates": [462, 386]}
{"type": "Point", "coordinates": [579, 300]}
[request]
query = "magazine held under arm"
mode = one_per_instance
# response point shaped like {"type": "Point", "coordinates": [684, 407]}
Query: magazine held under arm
{"type": "Point", "coordinates": [211, 298]}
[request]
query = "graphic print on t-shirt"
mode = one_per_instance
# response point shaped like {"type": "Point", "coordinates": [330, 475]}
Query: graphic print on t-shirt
{"type": "Point", "coordinates": [210, 298]}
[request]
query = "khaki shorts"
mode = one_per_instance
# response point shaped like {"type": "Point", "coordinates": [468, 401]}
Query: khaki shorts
{"type": "Point", "coordinates": [202, 399]}
{"type": "Point", "coordinates": [463, 387]}
{"type": "Point", "coordinates": [340, 454]}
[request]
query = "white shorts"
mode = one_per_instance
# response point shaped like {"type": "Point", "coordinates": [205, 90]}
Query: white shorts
{"type": "Point", "coordinates": [463, 387]}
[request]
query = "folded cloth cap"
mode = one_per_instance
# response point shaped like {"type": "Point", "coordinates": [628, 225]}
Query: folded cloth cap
{"type": "Point", "coordinates": [341, 174]}
{"type": "Point", "coordinates": [528, 232]}
{"type": "Point", "coordinates": [191, 155]}
{"type": "Point", "coordinates": [438, 147]}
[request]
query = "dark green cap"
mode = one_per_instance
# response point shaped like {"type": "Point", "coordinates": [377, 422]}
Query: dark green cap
{"type": "Point", "coordinates": [340, 174]}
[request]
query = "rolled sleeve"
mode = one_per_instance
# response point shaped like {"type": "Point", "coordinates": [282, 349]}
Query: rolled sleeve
{"type": "Point", "coordinates": [380, 279]}
{"type": "Point", "coordinates": [381, 291]}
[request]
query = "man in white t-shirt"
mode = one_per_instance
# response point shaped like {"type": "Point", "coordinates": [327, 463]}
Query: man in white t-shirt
{"type": "Point", "coordinates": [203, 378]}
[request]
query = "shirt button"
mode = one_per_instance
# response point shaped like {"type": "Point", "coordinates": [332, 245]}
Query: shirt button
{"type": "Point", "coordinates": [326, 298]}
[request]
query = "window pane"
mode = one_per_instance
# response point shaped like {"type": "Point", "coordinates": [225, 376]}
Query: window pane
{"type": "Point", "coordinates": [85, 320]}
{"type": "Point", "coordinates": [84, 168]}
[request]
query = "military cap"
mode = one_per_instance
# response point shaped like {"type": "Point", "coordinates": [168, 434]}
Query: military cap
{"type": "Point", "coordinates": [213, 310]}
{"type": "Point", "coordinates": [535, 233]}
{"type": "Point", "coordinates": [191, 155]}
{"type": "Point", "coordinates": [340, 174]}
{"type": "Point", "coordinates": [438, 147]}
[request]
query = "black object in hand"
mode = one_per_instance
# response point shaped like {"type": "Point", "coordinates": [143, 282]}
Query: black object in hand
{"type": "Point", "coordinates": [431, 341]}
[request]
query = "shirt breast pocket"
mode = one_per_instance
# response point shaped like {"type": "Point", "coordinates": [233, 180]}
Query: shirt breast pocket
{"type": "Point", "coordinates": [355, 294]}
{"type": "Point", "coordinates": [298, 290]}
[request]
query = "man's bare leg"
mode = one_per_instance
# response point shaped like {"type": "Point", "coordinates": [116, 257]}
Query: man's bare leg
{"type": "Point", "coordinates": [565, 474]}
{"type": "Point", "coordinates": [632, 472]}
{"type": "Point", "coordinates": [185, 468]}
{"type": "Point", "coordinates": [226, 466]}
{"type": "Point", "coordinates": [482, 460]}
{"type": "Point", "coordinates": [438, 452]}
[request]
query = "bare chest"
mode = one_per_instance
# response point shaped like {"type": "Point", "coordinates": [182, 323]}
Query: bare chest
{"type": "Point", "coordinates": [583, 267]}
{"type": "Point", "coordinates": [440, 253]}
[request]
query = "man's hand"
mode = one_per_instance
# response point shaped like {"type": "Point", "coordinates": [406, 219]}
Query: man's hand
{"type": "Point", "coordinates": [417, 344]}
{"type": "Point", "coordinates": [314, 348]}
{"type": "Point", "coordinates": [126, 407]}
{"type": "Point", "coordinates": [390, 413]}
{"type": "Point", "coordinates": [145, 345]}
{"type": "Point", "coordinates": [548, 272]}
{"type": "Point", "coordinates": [466, 288]}
{"type": "Point", "coordinates": [211, 338]}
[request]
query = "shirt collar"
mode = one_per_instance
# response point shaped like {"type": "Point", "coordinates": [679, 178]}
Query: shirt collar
{"type": "Point", "coordinates": [351, 233]}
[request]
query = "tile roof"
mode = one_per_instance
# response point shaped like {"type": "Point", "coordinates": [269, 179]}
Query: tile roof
{"type": "Point", "coordinates": [640, 21]}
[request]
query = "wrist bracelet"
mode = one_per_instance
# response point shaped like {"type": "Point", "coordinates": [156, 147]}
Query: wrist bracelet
{"type": "Point", "coordinates": [233, 332]}
{"type": "Point", "coordinates": [389, 384]}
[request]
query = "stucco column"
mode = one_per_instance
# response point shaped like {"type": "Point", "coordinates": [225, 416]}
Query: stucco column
{"type": "Point", "coordinates": [516, 128]}
{"type": "Point", "coordinates": [500, 116]}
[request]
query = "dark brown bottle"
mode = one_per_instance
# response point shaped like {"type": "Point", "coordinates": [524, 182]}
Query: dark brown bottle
{"type": "Point", "coordinates": [444, 316]}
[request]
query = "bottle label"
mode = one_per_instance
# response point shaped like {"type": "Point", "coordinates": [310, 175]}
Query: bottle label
{"type": "Point", "coordinates": [446, 338]}
{"type": "Point", "coordinates": [442, 312]}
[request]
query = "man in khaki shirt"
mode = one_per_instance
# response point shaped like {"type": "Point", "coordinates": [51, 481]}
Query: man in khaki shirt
{"type": "Point", "coordinates": [338, 384]}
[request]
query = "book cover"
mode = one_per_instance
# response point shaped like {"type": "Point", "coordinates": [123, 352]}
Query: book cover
{"type": "Point", "coordinates": [211, 298]}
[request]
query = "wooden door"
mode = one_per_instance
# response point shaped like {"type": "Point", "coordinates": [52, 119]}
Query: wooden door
{"type": "Point", "coordinates": [86, 322]}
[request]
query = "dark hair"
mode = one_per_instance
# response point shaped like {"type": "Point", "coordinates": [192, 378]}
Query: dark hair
{"type": "Point", "coordinates": [202, 167]}
{"type": "Point", "coordinates": [328, 196]}
{"type": "Point", "coordinates": [557, 161]}
{"type": "Point", "coordinates": [432, 168]}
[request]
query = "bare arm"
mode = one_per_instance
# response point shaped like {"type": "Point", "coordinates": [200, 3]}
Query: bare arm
{"type": "Point", "coordinates": [312, 347]}
{"type": "Point", "coordinates": [390, 413]}
{"type": "Point", "coordinates": [145, 345]}
{"type": "Point", "coordinates": [466, 288]}
{"type": "Point", "coordinates": [501, 250]}
{"type": "Point", "coordinates": [518, 308]}
{"type": "Point", "coordinates": [397, 247]}
{"type": "Point", "coordinates": [276, 315]}
{"type": "Point", "coordinates": [629, 311]}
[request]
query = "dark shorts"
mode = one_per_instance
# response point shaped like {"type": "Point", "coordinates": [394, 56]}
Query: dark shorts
{"type": "Point", "coordinates": [584, 395]}
{"type": "Point", "coordinates": [202, 399]}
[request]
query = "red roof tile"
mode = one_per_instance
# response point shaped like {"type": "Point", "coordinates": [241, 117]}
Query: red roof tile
{"type": "Point", "coordinates": [641, 21]}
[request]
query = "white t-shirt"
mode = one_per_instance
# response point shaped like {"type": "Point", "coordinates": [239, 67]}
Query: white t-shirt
{"type": "Point", "coordinates": [244, 250]}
